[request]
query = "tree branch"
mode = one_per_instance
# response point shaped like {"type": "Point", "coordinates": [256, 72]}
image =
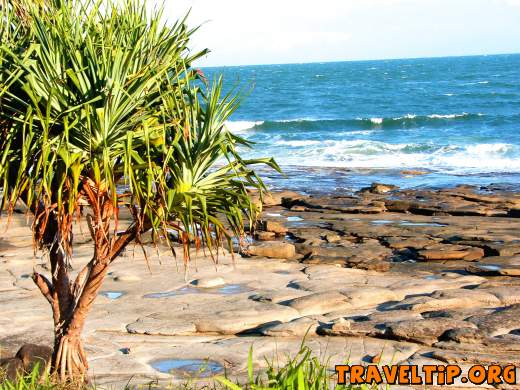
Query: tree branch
{"type": "Point", "coordinates": [79, 283]}
{"type": "Point", "coordinates": [45, 286]}
{"type": "Point", "coordinates": [126, 238]}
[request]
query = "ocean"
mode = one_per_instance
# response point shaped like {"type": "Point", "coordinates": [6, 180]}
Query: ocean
{"type": "Point", "coordinates": [342, 125]}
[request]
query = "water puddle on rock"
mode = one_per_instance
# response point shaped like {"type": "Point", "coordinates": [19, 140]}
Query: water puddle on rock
{"type": "Point", "coordinates": [290, 238]}
{"type": "Point", "coordinates": [228, 289]}
{"type": "Point", "coordinates": [433, 224]}
{"type": "Point", "coordinates": [232, 289]}
{"type": "Point", "coordinates": [294, 219]}
{"type": "Point", "coordinates": [282, 272]}
{"type": "Point", "coordinates": [489, 267]}
{"type": "Point", "coordinates": [112, 294]}
{"type": "Point", "coordinates": [381, 222]}
{"type": "Point", "coordinates": [193, 368]}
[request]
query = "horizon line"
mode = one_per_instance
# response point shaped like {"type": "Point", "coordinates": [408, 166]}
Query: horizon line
{"type": "Point", "coordinates": [364, 60]}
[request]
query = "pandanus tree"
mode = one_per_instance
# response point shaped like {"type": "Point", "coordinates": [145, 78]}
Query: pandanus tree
{"type": "Point", "coordinates": [102, 111]}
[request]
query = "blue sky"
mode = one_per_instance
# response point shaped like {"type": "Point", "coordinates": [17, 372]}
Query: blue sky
{"type": "Point", "coordinates": [243, 32]}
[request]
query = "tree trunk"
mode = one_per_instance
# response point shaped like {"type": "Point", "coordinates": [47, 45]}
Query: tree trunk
{"type": "Point", "coordinates": [69, 361]}
{"type": "Point", "coordinates": [69, 358]}
{"type": "Point", "coordinates": [71, 302]}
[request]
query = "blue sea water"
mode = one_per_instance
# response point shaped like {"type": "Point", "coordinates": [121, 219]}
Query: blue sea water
{"type": "Point", "coordinates": [343, 125]}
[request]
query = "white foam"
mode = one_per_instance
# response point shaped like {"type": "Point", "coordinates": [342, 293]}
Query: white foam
{"type": "Point", "coordinates": [407, 116]}
{"type": "Point", "coordinates": [359, 132]}
{"type": "Point", "coordinates": [376, 121]}
{"type": "Point", "coordinates": [298, 143]}
{"type": "Point", "coordinates": [490, 149]}
{"type": "Point", "coordinates": [241, 126]}
{"type": "Point", "coordinates": [476, 83]}
{"type": "Point", "coordinates": [476, 158]}
{"type": "Point", "coordinates": [447, 116]}
{"type": "Point", "coordinates": [303, 119]}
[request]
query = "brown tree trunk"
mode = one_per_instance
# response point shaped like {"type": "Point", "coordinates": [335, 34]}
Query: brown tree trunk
{"type": "Point", "coordinates": [69, 361]}
{"type": "Point", "coordinates": [71, 302]}
{"type": "Point", "coordinates": [69, 358]}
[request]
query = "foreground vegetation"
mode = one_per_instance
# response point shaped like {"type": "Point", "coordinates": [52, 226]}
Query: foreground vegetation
{"type": "Point", "coordinates": [101, 111]}
{"type": "Point", "coordinates": [301, 372]}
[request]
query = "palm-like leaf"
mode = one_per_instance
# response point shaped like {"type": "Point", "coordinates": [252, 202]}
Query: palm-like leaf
{"type": "Point", "coordinates": [100, 107]}
{"type": "Point", "coordinates": [98, 94]}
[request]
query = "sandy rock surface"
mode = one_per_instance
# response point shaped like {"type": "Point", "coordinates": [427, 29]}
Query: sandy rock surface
{"type": "Point", "coordinates": [424, 276]}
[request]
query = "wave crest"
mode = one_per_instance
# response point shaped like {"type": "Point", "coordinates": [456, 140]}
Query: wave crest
{"type": "Point", "coordinates": [373, 123]}
{"type": "Point", "coordinates": [241, 126]}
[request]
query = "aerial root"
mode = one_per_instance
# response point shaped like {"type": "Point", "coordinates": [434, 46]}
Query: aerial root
{"type": "Point", "coordinates": [71, 362]}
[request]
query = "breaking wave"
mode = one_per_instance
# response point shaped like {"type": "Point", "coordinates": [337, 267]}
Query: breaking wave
{"type": "Point", "coordinates": [405, 121]}
{"type": "Point", "coordinates": [493, 157]}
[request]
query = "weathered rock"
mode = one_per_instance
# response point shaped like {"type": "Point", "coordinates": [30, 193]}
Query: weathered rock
{"type": "Point", "coordinates": [398, 206]}
{"type": "Point", "coordinates": [274, 227]}
{"type": "Point", "coordinates": [507, 295]}
{"type": "Point", "coordinates": [317, 259]}
{"type": "Point", "coordinates": [502, 321]}
{"type": "Point", "coordinates": [273, 249]}
{"type": "Point", "coordinates": [393, 316]}
{"type": "Point", "coordinates": [191, 321]}
{"type": "Point", "coordinates": [414, 242]}
{"type": "Point", "coordinates": [510, 271]}
{"type": "Point", "coordinates": [295, 328]}
{"type": "Point", "coordinates": [331, 237]}
{"type": "Point", "coordinates": [464, 335]}
{"type": "Point", "coordinates": [479, 342]}
{"type": "Point", "coordinates": [378, 188]}
{"type": "Point", "coordinates": [449, 299]}
{"type": "Point", "coordinates": [278, 296]}
{"type": "Point", "coordinates": [368, 256]}
{"type": "Point", "coordinates": [12, 368]}
{"type": "Point", "coordinates": [32, 354]}
{"type": "Point", "coordinates": [349, 328]}
{"type": "Point", "coordinates": [496, 265]}
{"type": "Point", "coordinates": [239, 320]}
{"type": "Point", "coordinates": [457, 313]}
{"type": "Point", "coordinates": [344, 204]}
{"type": "Point", "coordinates": [451, 252]}
{"type": "Point", "coordinates": [277, 198]}
{"type": "Point", "coordinates": [425, 331]}
{"type": "Point", "coordinates": [340, 251]}
{"type": "Point", "coordinates": [369, 296]}
{"type": "Point", "coordinates": [465, 357]}
{"type": "Point", "coordinates": [369, 265]}
{"type": "Point", "coordinates": [474, 254]}
{"type": "Point", "coordinates": [504, 249]}
{"type": "Point", "coordinates": [160, 326]}
{"type": "Point", "coordinates": [319, 303]}
{"type": "Point", "coordinates": [264, 236]}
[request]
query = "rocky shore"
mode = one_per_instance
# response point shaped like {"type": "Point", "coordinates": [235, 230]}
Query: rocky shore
{"type": "Point", "coordinates": [383, 275]}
